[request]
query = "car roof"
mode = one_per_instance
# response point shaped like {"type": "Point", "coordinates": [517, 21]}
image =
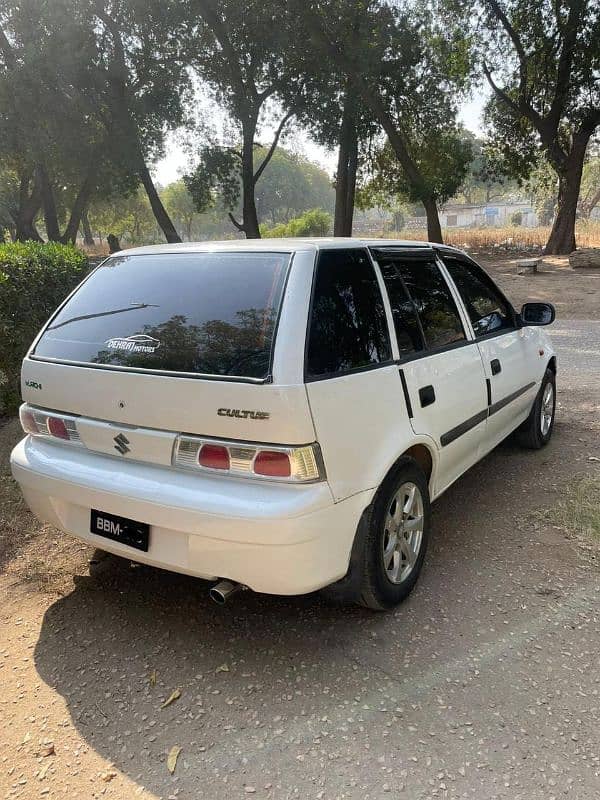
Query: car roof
{"type": "Point", "coordinates": [275, 245]}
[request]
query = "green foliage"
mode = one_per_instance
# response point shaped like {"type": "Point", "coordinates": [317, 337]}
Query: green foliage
{"type": "Point", "coordinates": [291, 185]}
{"type": "Point", "coordinates": [315, 222]}
{"type": "Point", "coordinates": [516, 219]}
{"type": "Point", "coordinates": [129, 218]}
{"type": "Point", "coordinates": [442, 158]}
{"type": "Point", "coordinates": [34, 279]}
{"type": "Point", "coordinates": [217, 174]}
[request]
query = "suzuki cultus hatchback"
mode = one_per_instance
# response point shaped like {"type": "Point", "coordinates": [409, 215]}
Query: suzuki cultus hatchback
{"type": "Point", "coordinates": [277, 414]}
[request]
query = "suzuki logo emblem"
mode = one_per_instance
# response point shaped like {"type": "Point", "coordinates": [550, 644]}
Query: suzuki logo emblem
{"type": "Point", "coordinates": [121, 444]}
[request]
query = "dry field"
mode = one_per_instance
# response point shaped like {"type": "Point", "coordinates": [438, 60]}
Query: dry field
{"type": "Point", "coordinates": [517, 237]}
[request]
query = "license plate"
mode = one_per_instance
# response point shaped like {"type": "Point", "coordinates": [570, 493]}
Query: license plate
{"type": "Point", "coordinates": [120, 529]}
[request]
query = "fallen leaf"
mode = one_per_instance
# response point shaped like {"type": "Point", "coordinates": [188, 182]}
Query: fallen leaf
{"type": "Point", "coordinates": [108, 775]}
{"type": "Point", "coordinates": [222, 668]}
{"type": "Point", "coordinates": [48, 750]}
{"type": "Point", "coordinates": [175, 695]}
{"type": "Point", "coordinates": [249, 789]}
{"type": "Point", "coordinates": [172, 758]}
{"type": "Point", "coordinates": [593, 458]}
{"type": "Point", "coordinates": [26, 738]}
{"type": "Point", "coordinates": [43, 771]}
{"type": "Point", "coordinates": [152, 678]}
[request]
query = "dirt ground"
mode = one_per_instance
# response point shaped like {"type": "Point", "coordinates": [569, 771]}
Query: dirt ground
{"type": "Point", "coordinates": [575, 293]}
{"type": "Point", "coordinates": [484, 684]}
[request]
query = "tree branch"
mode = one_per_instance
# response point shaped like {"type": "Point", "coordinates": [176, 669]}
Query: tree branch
{"type": "Point", "coordinates": [565, 61]}
{"type": "Point", "coordinates": [504, 96]}
{"type": "Point", "coordinates": [237, 224]}
{"type": "Point", "coordinates": [273, 146]}
{"type": "Point", "coordinates": [211, 18]}
{"type": "Point", "coordinates": [501, 16]}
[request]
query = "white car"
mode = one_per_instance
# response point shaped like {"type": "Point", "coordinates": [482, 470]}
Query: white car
{"type": "Point", "coordinates": [277, 414]}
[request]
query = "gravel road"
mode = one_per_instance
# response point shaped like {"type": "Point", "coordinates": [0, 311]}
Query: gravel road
{"type": "Point", "coordinates": [578, 345]}
{"type": "Point", "coordinates": [485, 684]}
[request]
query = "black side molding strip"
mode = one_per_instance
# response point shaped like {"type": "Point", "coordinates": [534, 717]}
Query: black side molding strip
{"type": "Point", "coordinates": [464, 427]}
{"type": "Point", "coordinates": [406, 394]}
{"type": "Point", "coordinates": [468, 424]}
{"type": "Point", "coordinates": [509, 398]}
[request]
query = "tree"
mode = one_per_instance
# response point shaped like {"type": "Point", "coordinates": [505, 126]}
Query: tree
{"type": "Point", "coordinates": [127, 217]}
{"type": "Point", "coordinates": [406, 72]}
{"type": "Point", "coordinates": [180, 206]}
{"type": "Point", "coordinates": [57, 65]}
{"type": "Point", "coordinates": [239, 52]}
{"type": "Point", "coordinates": [441, 158]}
{"type": "Point", "coordinates": [589, 196]}
{"type": "Point", "coordinates": [141, 77]}
{"type": "Point", "coordinates": [542, 61]}
{"type": "Point", "coordinates": [485, 179]}
{"type": "Point", "coordinates": [330, 107]}
{"type": "Point", "coordinates": [289, 184]}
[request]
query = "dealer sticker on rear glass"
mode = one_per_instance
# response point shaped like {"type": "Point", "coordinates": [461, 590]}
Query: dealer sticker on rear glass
{"type": "Point", "coordinates": [139, 343]}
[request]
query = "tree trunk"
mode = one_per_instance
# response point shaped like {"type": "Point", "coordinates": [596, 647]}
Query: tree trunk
{"type": "Point", "coordinates": [158, 209]}
{"type": "Point", "coordinates": [562, 236]}
{"type": "Point", "coordinates": [434, 229]}
{"type": "Point", "coordinates": [88, 237]}
{"type": "Point", "coordinates": [249, 213]}
{"type": "Point", "coordinates": [29, 205]}
{"type": "Point", "coordinates": [49, 205]}
{"type": "Point", "coordinates": [345, 182]}
{"type": "Point", "coordinates": [78, 210]}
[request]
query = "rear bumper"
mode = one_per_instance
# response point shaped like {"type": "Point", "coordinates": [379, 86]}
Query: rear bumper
{"type": "Point", "coordinates": [274, 538]}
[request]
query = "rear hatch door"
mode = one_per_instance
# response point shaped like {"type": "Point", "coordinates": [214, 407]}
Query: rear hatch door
{"type": "Point", "coordinates": [155, 344]}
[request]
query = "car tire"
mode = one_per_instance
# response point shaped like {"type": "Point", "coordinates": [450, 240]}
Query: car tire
{"type": "Point", "coordinates": [390, 543]}
{"type": "Point", "coordinates": [537, 429]}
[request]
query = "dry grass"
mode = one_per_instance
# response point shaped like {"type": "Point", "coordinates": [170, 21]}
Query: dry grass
{"type": "Point", "coordinates": [588, 235]}
{"type": "Point", "coordinates": [579, 513]}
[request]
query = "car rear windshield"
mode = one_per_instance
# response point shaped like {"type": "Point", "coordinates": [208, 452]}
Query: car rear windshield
{"type": "Point", "coordinates": [201, 313]}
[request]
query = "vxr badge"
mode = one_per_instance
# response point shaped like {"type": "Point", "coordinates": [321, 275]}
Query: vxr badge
{"type": "Point", "coordinates": [121, 442]}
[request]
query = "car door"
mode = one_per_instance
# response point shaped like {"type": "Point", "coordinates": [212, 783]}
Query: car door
{"type": "Point", "coordinates": [350, 374]}
{"type": "Point", "coordinates": [440, 366]}
{"type": "Point", "coordinates": [507, 350]}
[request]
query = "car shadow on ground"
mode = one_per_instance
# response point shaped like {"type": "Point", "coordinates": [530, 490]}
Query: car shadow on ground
{"type": "Point", "coordinates": [263, 671]}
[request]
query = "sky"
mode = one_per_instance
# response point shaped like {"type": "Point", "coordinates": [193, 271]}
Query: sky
{"type": "Point", "coordinates": [174, 163]}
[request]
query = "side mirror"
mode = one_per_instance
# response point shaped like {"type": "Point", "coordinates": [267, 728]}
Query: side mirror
{"type": "Point", "coordinates": [537, 314]}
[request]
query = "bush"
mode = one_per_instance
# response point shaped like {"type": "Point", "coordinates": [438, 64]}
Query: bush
{"type": "Point", "coordinates": [315, 222]}
{"type": "Point", "coordinates": [516, 218]}
{"type": "Point", "coordinates": [34, 279]}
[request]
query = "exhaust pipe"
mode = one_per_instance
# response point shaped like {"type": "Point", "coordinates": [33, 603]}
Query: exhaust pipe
{"type": "Point", "coordinates": [222, 591]}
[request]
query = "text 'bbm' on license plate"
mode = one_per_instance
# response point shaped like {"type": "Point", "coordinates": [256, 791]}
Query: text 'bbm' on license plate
{"type": "Point", "coordinates": [120, 529]}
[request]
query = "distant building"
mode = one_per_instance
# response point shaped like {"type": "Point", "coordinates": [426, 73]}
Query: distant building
{"type": "Point", "coordinates": [481, 215]}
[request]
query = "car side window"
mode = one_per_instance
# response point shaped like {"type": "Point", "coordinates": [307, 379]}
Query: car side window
{"type": "Point", "coordinates": [347, 327]}
{"type": "Point", "coordinates": [433, 301]}
{"type": "Point", "coordinates": [488, 311]}
{"type": "Point", "coordinates": [404, 313]}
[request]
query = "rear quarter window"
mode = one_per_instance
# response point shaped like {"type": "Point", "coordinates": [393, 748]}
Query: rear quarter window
{"type": "Point", "coordinates": [348, 328]}
{"type": "Point", "coordinates": [200, 313]}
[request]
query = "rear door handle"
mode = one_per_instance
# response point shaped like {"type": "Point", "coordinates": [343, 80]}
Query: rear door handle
{"type": "Point", "coordinates": [496, 366]}
{"type": "Point", "coordinates": [426, 396]}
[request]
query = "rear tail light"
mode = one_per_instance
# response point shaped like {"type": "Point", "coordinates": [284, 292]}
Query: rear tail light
{"type": "Point", "coordinates": [48, 424]}
{"type": "Point", "coordinates": [273, 463]}
{"type": "Point", "coordinates": [291, 464]}
{"type": "Point", "coordinates": [214, 456]}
